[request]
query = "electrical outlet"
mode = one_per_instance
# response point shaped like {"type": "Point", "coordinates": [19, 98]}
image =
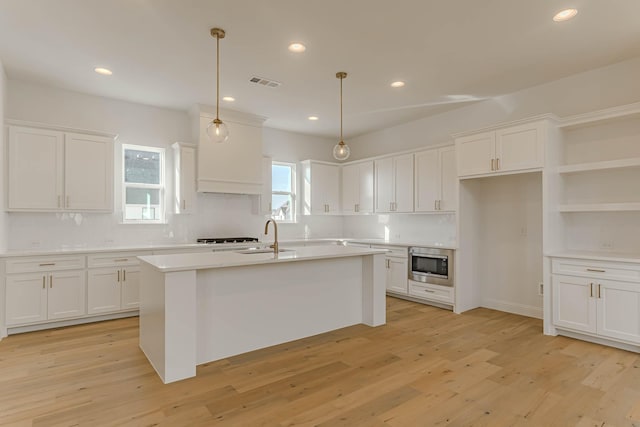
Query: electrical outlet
{"type": "Point", "coordinates": [540, 288]}
{"type": "Point", "coordinates": [606, 244]}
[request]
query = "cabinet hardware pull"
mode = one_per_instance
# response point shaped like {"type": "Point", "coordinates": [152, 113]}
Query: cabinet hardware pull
{"type": "Point", "coordinates": [58, 201]}
{"type": "Point", "coordinates": [184, 204]}
{"type": "Point", "coordinates": [45, 264]}
{"type": "Point", "coordinates": [51, 281]}
{"type": "Point", "coordinates": [591, 290]}
{"type": "Point", "coordinates": [599, 290]}
{"type": "Point", "coordinates": [492, 162]}
{"type": "Point", "coordinates": [118, 275]}
{"type": "Point", "coordinates": [435, 205]}
{"type": "Point", "coordinates": [596, 270]}
{"type": "Point", "coordinates": [497, 164]}
{"type": "Point", "coordinates": [430, 291]}
{"type": "Point", "coordinates": [44, 281]}
{"type": "Point", "coordinates": [121, 260]}
{"type": "Point", "coordinates": [67, 201]}
{"type": "Point", "coordinates": [439, 208]}
{"type": "Point", "coordinates": [124, 275]}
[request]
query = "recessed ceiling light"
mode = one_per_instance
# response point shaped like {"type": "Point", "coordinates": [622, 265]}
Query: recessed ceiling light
{"type": "Point", "coordinates": [228, 98]}
{"type": "Point", "coordinates": [565, 15]}
{"type": "Point", "coordinates": [313, 118]}
{"type": "Point", "coordinates": [399, 83]}
{"type": "Point", "coordinates": [297, 47]}
{"type": "Point", "coordinates": [103, 71]}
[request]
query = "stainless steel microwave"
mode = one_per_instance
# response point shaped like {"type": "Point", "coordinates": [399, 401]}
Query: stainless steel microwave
{"type": "Point", "coordinates": [431, 265]}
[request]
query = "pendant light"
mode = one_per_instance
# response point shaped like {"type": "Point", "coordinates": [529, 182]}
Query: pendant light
{"type": "Point", "coordinates": [341, 151]}
{"type": "Point", "coordinates": [217, 130]}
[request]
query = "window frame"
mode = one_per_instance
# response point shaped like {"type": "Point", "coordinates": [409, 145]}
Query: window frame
{"type": "Point", "coordinates": [160, 186]}
{"type": "Point", "coordinates": [292, 193]}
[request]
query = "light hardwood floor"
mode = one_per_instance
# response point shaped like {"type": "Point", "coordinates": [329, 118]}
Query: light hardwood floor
{"type": "Point", "coordinates": [427, 366]}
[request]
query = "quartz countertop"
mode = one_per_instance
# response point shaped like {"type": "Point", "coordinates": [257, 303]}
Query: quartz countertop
{"type": "Point", "coordinates": [199, 261]}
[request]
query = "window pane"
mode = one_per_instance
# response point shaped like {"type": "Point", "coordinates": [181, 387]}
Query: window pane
{"type": "Point", "coordinates": [282, 204]}
{"type": "Point", "coordinates": [142, 167]}
{"type": "Point", "coordinates": [142, 204]}
{"type": "Point", "coordinates": [281, 178]}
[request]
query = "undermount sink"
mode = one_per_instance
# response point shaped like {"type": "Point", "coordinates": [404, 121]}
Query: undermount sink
{"type": "Point", "coordinates": [261, 251]}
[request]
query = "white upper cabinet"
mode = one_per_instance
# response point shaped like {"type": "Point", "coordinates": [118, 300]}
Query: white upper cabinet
{"type": "Point", "coordinates": [394, 184]}
{"type": "Point", "coordinates": [357, 188]}
{"type": "Point", "coordinates": [234, 166]}
{"type": "Point", "coordinates": [321, 188]}
{"type": "Point", "coordinates": [88, 166]}
{"type": "Point", "coordinates": [51, 170]}
{"type": "Point", "coordinates": [435, 180]}
{"type": "Point", "coordinates": [514, 148]}
{"type": "Point", "coordinates": [184, 158]}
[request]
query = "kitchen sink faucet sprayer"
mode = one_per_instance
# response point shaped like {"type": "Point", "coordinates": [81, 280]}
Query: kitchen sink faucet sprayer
{"type": "Point", "coordinates": [275, 230]}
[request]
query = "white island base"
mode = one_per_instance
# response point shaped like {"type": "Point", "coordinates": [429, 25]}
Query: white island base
{"type": "Point", "coordinates": [197, 308]}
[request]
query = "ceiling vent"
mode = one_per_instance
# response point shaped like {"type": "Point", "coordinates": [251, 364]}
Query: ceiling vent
{"type": "Point", "coordinates": [264, 82]}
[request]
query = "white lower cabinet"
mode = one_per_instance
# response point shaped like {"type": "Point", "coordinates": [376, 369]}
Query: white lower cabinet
{"type": "Point", "coordinates": [113, 289]}
{"type": "Point", "coordinates": [596, 305]}
{"type": "Point", "coordinates": [428, 291]}
{"type": "Point", "coordinates": [397, 274]}
{"type": "Point", "coordinates": [38, 297]}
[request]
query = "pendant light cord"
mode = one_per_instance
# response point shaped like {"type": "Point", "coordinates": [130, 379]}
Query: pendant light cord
{"type": "Point", "coordinates": [341, 141]}
{"type": "Point", "coordinates": [217, 76]}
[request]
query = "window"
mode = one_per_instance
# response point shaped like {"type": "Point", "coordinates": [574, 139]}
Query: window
{"type": "Point", "coordinates": [283, 191]}
{"type": "Point", "coordinates": [143, 184]}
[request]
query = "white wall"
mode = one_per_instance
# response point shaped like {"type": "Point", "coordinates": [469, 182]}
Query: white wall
{"type": "Point", "coordinates": [609, 86]}
{"type": "Point", "coordinates": [432, 229]}
{"type": "Point", "coordinates": [3, 136]}
{"type": "Point", "coordinates": [218, 215]}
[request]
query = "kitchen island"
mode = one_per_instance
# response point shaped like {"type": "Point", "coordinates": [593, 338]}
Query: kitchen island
{"type": "Point", "coordinates": [197, 308]}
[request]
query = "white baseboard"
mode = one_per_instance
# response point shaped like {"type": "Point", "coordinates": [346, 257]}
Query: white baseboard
{"type": "Point", "coordinates": [515, 308]}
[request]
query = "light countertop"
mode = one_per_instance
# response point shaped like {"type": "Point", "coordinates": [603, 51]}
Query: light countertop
{"type": "Point", "coordinates": [199, 261]}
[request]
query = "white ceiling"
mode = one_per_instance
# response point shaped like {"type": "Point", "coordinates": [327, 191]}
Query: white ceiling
{"type": "Point", "coordinates": [161, 52]}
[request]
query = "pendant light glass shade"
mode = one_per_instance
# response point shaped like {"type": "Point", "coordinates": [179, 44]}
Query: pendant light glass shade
{"type": "Point", "coordinates": [217, 131]}
{"type": "Point", "coordinates": [341, 151]}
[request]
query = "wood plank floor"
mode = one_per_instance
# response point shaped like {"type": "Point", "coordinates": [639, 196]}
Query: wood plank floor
{"type": "Point", "coordinates": [426, 367]}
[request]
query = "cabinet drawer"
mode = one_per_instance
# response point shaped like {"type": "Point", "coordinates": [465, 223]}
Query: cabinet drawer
{"type": "Point", "coordinates": [597, 269]}
{"type": "Point", "coordinates": [45, 263]}
{"type": "Point", "coordinates": [438, 293]}
{"type": "Point", "coordinates": [394, 251]}
{"type": "Point", "coordinates": [114, 259]}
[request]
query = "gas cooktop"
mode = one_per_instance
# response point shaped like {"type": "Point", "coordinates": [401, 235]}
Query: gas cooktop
{"type": "Point", "coordinates": [217, 240]}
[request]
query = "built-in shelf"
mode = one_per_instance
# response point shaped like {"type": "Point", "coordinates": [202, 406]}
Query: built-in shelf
{"type": "Point", "coordinates": [600, 207]}
{"type": "Point", "coordinates": [596, 256]}
{"type": "Point", "coordinates": [601, 116]}
{"type": "Point", "coordinates": [600, 166]}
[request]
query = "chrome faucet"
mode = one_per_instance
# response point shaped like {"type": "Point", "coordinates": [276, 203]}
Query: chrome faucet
{"type": "Point", "coordinates": [275, 229]}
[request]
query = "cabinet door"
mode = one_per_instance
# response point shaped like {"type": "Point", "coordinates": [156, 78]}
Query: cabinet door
{"type": "Point", "coordinates": [403, 170]}
{"type": "Point", "coordinates": [475, 153]}
{"type": "Point", "coordinates": [130, 288]}
{"type": "Point", "coordinates": [574, 303]}
{"type": "Point", "coordinates": [35, 165]}
{"type": "Point", "coordinates": [520, 147]}
{"type": "Point", "coordinates": [427, 191]}
{"type": "Point", "coordinates": [66, 294]}
{"type": "Point", "coordinates": [88, 172]}
{"type": "Point", "coordinates": [619, 310]}
{"type": "Point", "coordinates": [365, 187]}
{"type": "Point", "coordinates": [185, 178]}
{"type": "Point", "coordinates": [448, 180]}
{"type": "Point", "coordinates": [384, 184]}
{"type": "Point", "coordinates": [397, 276]}
{"type": "Point", "coordinates": [332, 188]}
{"type": "Point", "coordinates": [103, 290]}
{"type": "Point", "coordinates": [26, 298]}
{"type": "Point", "coordinates": [350, 188]}
{"type": "Point", "coordinates": [325, 188]}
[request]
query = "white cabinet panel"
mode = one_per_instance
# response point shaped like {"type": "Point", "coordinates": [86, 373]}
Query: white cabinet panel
{"type": "Point", "coordinates": [130, 288]}
{"type": "Point", "coordinates": [365, 189]}
{"type": "Point", "coordinates": [184, 157]}
{"type": "Point", "coordinates": [385, 185]}
{"type": "Point", "coordinates": [26, 298]}
{"type": "Point", "coordinates": [397, 276]}
{"type": "Point", "coordinates": [403, 183]}
{"type": "Point", "coordinates": [66, 294]}
{"type": "Point", "coordinates": [619, 310]}
{"type": "Point", "coordinates": [321, 188]}
{"type": "Point", "coordinates": [520, 147]}
{"type": "Point", "coordinates": [88, 174]}
{"type": "Point", "coordinates": [476, 153]}
{"type": "Point", "coordinates": [35, 162]}
{"type": "Point", "coordinates": [394, 184]}
{"type": "Point", "coordinates": [574, 304]}
{"type": "Point", "coordinates": [428, 181]}
{"type": "Point", "coordinates": [103, 290]}
{"type": "Point", "coordinates": [448, 180]}
{"type": "Point", "coordinates": [357, 188]}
